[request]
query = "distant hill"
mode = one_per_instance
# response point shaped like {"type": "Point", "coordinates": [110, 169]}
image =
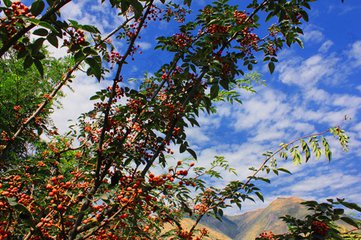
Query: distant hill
{"type": "Point", "coordinates": [213, 234]}
{"type": "Point", "coordinates": [249, 225]}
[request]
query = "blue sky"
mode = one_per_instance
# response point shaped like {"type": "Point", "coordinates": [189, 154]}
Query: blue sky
{"type": "Point", "coordinates": [311, 90]}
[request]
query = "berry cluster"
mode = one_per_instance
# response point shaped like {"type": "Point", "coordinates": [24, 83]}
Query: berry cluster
{"type": "Point", "coordinates": [272, 50]}
{"type": "Point", "coordinates": [182, 40]}
{"type": "Point", "coordinates": [114, 57]}
{"type": "Point", "coordinates": [217, 29]}
{"type": "Point", "coordinates": [267, 235]}
{"type": "Point", "coordinates": [76, 38]}
{"type": "Point", "coordinates": [240, 17]}
{"type": "Point", "coordinates": [320, 228]}
{"type": "Point", "coordinates": [5, 136]}
{"type": "Point", "coordinates": [249, 39]}
{"type": "Point", "coordinates": [4, 234]}
{"type": "Point", "coordinates": [57, 192]}
{"type": "Point", "coordinates": [12, 20]}
{"type": "Point", "coordinates": [178, 13]}
{"type": "Point", "coordinates": [105, 234]}
{"type": "Point", "coordinates": [17, 108]}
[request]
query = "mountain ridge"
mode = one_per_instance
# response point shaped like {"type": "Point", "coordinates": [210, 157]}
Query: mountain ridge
{"type": "Point", "coordinates": [248, 225]}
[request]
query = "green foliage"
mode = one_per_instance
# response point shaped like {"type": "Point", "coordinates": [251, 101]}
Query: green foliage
{"type": "Point", "coordinates": [21, 90]}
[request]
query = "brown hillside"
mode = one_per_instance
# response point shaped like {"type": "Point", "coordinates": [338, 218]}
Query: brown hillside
{"type": "Point", "coordinates": [251, 224]}
{"type": "Point", "coordinates": [188, 223]}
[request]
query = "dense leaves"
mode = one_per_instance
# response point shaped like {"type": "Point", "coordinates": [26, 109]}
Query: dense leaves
{"type": "Point", "coordinates": [21, 90]}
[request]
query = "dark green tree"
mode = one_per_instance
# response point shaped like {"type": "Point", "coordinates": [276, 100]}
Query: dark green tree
{"type": "Point", "coordinates": [21, 91]}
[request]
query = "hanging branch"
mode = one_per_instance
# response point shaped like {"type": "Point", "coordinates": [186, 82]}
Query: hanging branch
{"type": "Point", "coordinates": [284, 146]}
{"type": "Point", "coordinates": [13, 40]}
{"type": "Point", "coordinates": [98, 177]}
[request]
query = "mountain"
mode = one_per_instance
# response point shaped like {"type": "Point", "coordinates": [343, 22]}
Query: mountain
{"type": "Point", "coordinates": [249, 225]}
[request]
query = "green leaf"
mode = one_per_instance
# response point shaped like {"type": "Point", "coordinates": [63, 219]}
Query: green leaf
{"type": "Point", "coordinates": [34, 21]}
{"type": "Point", "coordinates": [264, 179]}
{"type": "Point", "coordinates": [74, 23]}
{"type": "Point", "coordinates": [79, 56]}
{"type": "Point", "coordinates": [96, 96]}
{"type": "Point", "coordinates": [271, 67]}
{"type": "Point", "coordinates": [260, 196]}
{"type": "Point", "coordinates": [89, 28]}
{"type": "Point", "coordinates": [28, 61]}
{"type": "Point", "coordinates": [350, 221]}
{"type": "Point", "coordinates": [187, 2]}
{"type": "Point", "coordinates": [193, 153]}
{"type": "Point", "coordinates": [7, 3]}
{"type": "Point", "coordinates": [53, 40]}
{"type": "Point", "coordinates": [224, 83]}
{"type": "Point", "coordinates": [351, 206]}
{"type": "Point", "coordinates": [327, 149]}
{"type": "Point", "coordinates": [306, 150]}
{"type": "Point", "coordinates": [36, 46]}
{"type": "Point", "coordinates": [182, 148]}
{"type": "Point", "coordinates": [304, 15]}
{"type": "Point", "coordinates": [138, 8]}
{"type": "Point", "coordinates": [48, 26]}
{"type": "Point", "coordinates": [318, 153]}
{"type": "Point", "coordinates": [338, 211]}
{"type": "Point", "coordinates": [124, 5]}
{"type": "Point", "coordinates": [37, 7]}
{"type": "Point", "coordinates": [41, 32]}
{"type": "Point", "coordinates": [95, 66]}
{"type": "Point", "coordinates": [214, 90]}
{"type": "Point", "coordinates": [284, 170]}
{"type": "Point", "coordinates": [26, 214]}
{"type": "Point", "coordinates": [39, 66]}
{"type": "Point", "coordinates": [90, 51]}
{"type": "Point", "coordinates": [296, 157]}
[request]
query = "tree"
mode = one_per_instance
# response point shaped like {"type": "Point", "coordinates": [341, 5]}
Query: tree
{"type": "Point", "coordinates": [105, 187]}
{"type": "Point", "coordinates": [20, 93]}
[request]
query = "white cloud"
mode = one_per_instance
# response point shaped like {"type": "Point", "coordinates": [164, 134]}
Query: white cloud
{"type": "Point", "coordinates": [321, 183]}
{"type": "Point", "coordinates": [259, 108]}
{"type": "Point", "coordinates": [196, 135]}
{"type": "Point", "coordinates": [355, 53]}
{"type": "Point", "coordinates": [307, 72]}
{"type": "Point", "coordinates": [59, 52]}
{"type": "Point", "coordinates": [144, 45]}
{"type": "Point", "coordinates": [315, 36]}
{"type": "Point", "coordinates": [76, 102]}
{"type": "Point", "coordinates": [73, 10]}
{"type": "Point", "coordinates": [325, 46]}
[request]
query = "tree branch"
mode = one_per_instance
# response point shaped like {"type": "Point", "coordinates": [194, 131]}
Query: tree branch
{"type": "Point", "coordinates": [24, 30]}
